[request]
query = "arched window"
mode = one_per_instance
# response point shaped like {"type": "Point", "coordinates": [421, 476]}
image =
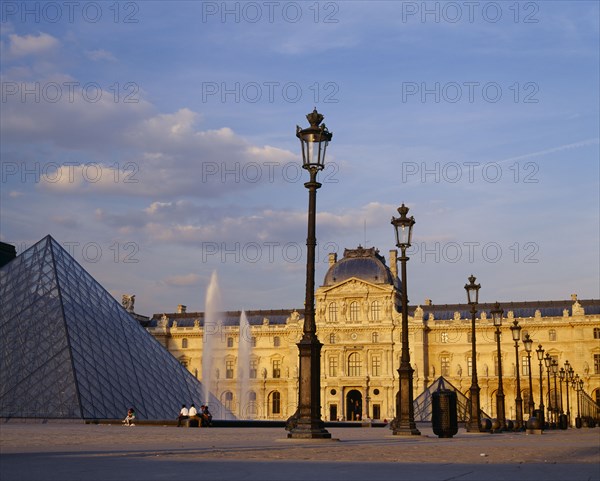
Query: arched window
{"type": "Point", "coordinates": [228, 399]}
{"type": "Point", "coordinates": [184, 344]}
{"type": "Point", "coordinates": [332, 338]}
{"type": "Point", "coordinates": [375, 337]}
{"type": "Point", "coordinates": [354, 364]}
{"type": "Point", "coordinates": [333, 312]}
{"type": "Point", "coordinates": [252, 396]}
{"type": "Point", "coordinates": [354, 310]}
{"type": "Point", "coordinates": [275, 402]}
{"type": "Point", "coordinates": [375, 310]}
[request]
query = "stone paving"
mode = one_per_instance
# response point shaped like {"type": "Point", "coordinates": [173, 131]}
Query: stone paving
{"type": "Point", "coordinates": [64, 452]}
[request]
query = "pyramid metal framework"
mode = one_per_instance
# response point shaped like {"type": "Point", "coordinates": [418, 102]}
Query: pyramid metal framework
{"type": "Point", "coordinates": [423, 403]}
{"type": "Point", "coordinates": [70, 350]}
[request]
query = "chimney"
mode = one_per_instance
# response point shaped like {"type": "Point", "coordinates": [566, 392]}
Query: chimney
{"type": "Point", "coordinates": [181, 309]}
{"type": "Point", "coordinates": [394, 263]}
{"type": "Point", "coordinates": [332, 258]}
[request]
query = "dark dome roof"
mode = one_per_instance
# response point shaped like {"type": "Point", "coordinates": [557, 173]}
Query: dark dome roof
{"type": "Point", "coordinates": [365, 264]}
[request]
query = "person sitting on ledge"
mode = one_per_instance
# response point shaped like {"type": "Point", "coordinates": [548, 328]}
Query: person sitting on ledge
{"type": "Point", "coordinates": [183, 414]}
{"type": "Point", "coordinates": [205, 415]}
{"type": "Point", "coordinates": [128, 421]}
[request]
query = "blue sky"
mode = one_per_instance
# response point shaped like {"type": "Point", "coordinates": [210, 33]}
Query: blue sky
{"type": "Point", "coordinates": [156, 141]}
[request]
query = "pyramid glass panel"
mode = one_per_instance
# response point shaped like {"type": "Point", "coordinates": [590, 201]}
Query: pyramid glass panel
{"type": "Point", "coordinates": [69, 349]}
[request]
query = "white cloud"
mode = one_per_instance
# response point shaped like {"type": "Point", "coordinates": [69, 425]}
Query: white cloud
{"type": "Point", "coordinates": [183, 280]}
{"type": "Point", "coordinates": [21, 46]}
{"type": "Point", "coordinates": [100, 54]}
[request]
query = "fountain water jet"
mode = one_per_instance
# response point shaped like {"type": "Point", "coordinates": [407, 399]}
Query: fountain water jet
{"type": "Point", "coordinates": [212, 330]}
{"type": "Point", "coordinates": [243, 366]}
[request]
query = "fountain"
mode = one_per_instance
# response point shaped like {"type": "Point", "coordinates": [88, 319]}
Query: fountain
{"type": "Point", "coordinates": [212, 330]}
{"type": "Point", "coordinates": [243, 366]}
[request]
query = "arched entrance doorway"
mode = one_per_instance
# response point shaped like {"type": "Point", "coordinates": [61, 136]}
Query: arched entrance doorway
{"type": "Point", "coordinates": [353, 405]}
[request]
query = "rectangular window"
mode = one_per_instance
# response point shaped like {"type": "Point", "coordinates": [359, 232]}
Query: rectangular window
{"type": "Point", "coordinates": [445, 361]}
{"type": "Point", "coordinates": [469, 337]}
{"type": "Point", "coordinates": [276, 341]}
{"type": "Point", "coordinates": [253, 369]}
{"type": "Point", "coordinates": [229, 369]}
{"type": "Point", "coordinates": [376, 366]}
{"type": "Point", "coordinates": [470, 366]}
{"type": "Point", "coordinates": [552, 335]}
{"type": "Point", "coordinates": [525, 364]}
{"type": "Point", "coordinates": [276, 369]}
{"type": "Point", "coordinates": [596, 332]}
{"type": "Point", "coordinates": [444, 337]}
{"type": "Point", "coordinates": [596, 363]}
{"type": "Point", "coordinates": [230, 342]}
{"type": "Point", "coordinates": [333, 366]}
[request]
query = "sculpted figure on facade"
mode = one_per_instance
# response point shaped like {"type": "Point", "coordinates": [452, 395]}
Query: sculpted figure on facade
{"type": "Point", "coordinates": [128, 302]}
{"type": "Point", "coordinates": [418, 314]}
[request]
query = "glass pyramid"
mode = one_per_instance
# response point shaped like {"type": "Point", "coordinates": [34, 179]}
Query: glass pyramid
{"type": "Point", "coordinates": [70, 350]}
{"type": "Point", "coordinates": [423, 403]}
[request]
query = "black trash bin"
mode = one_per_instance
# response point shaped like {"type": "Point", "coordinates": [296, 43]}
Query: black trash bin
{"type": "Point", "coordinates": [444, 417]}
{"type": "Point", "coordinates": [563, 422]}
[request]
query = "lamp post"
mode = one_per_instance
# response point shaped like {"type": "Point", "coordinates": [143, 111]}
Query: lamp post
{"type": "Point", "coordinates": [404, 423]}
{"type": "Point", "coordinates": [540, 355]}
{"type": "Point", "coordinates": [474, 423]}
{"type": "Point", "coordinates": [515, 330]}
{"type": "Point", "coordinates": [548, 363]}
{"type": "Point", "coordinates": [496, 313]}
{"type": "Point", "coordinates": [569, 378]}
{"type": "Point", "coordinates": [307, 423]}
{"type": "Point", "coordinates": [578, 385]}
{"type": "Point", "coordinates": [554, 368]}
{"type": "Point", "coordinates": [528, 343]}
{"type": "Point", "coordinates": [562, 418]}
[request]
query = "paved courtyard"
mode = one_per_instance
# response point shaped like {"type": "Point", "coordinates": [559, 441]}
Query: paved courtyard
{"type": "Point", "coordinates": [74, 451]}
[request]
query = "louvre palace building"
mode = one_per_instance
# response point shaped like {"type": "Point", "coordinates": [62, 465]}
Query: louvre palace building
{"type": "Point", "coordinates": [252, 368]}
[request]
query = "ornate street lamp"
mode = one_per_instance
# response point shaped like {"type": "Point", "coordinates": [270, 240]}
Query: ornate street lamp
{"type": "Point", "coordinates": [474, 423]}
{"type": "Point", "coordinates": [404, 423]}
{"type": "Point", "coordinates": [540, 355]}
{"type": "Point", "coordinates": [562, 418]}
{"type": "Point", "coordinates": [515, 330]}
{"type": "Point", "coordinates": [554, 368]}
{"type": "Point", "coordinates": [528, 343]}
{"type": "Point", "coordinates": [548, 363]}
{"type": "Point", "coordinates": [569, 377]}
{"type": "Point", "coordinates": [496, 313]}
{"type": "Point", "coordinates": [578, 386]}
{"type": "Point", "coordinates": [306, 422]}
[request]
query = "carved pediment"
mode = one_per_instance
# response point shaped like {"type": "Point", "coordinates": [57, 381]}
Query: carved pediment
{"type": "Point", "coordinates": [354, 287]}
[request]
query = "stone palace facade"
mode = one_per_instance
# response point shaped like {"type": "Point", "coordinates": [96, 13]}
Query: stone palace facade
{"type": "Point", "coordinates": [359, 323]}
